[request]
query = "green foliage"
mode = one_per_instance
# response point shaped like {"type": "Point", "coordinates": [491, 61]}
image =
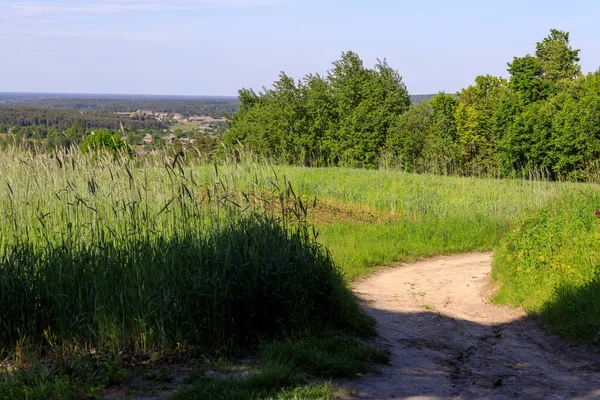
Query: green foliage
{"type": "Point", "coordinates": [544, 120]}
{"type": "Point", "coordinates": [550, 265]}
{"type": "Point", "coordinates": [442, 147]}
{"type": "Point", "coordinates": [474, 122]}
{"type": "Point", "coordinates": [408, 136]}
{"type": "Point", "coordinates": [559, 135]}
{"type": "Point", "coordinates": [526, 79]}
{"type": "Point", "coordinates": [340, 119]}
{"type": "Point", "coordinates": [103, 140]}
{"type": "Point", "coordinates": [558, 60]}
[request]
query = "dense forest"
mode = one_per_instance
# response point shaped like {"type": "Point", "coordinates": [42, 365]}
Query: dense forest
{"type": "Point", "coordinates": [48, 121]}
{"type": "Point", "coordinates": [544, 119]}
{"type": "Point", "coordinates": [64, 118]}
{"type": "Point", "coordinates": [186, 105]}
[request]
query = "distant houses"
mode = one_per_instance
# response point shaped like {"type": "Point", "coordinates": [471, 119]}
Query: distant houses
{"type": "Point", "coordinates": [160, 116]}
{"type": "Point", "coordinates": [184, 141]}
{"type": "Point", "coordinates": [206, 119]}
{"type": "Point", "coordinates": [169, 139]}
{"type": "Point", "coordinates": [144, 114]}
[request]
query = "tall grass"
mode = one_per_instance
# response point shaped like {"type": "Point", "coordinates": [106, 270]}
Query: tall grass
{"type": "Point", "coordinates": [413, 216]}
{"type": "Point", "coordinates": [550, 265]}
{"type": "Point", "coordinates": [125, 255]}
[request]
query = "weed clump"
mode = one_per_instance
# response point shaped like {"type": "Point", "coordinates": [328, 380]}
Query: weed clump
{"type": "Point", "coordinates": [550, 265]}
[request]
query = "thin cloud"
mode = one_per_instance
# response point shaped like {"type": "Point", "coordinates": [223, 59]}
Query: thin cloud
{"type": "Point", "coordinates": [100, 7]}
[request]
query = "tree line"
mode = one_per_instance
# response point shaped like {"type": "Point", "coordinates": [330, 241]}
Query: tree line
{"type": "Point", "coordinates": [211, 106]}
{"type": "Point", "coordinates": [545, 119]}
{"type": "Point", "coordinates": [63, 118]}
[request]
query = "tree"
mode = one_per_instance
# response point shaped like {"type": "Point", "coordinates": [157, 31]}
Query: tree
{"type": "Point", "coordinates": [557, 59]}
{"type": "Point", "coordinates": [75, 133]}
{"type": "Point", "coordinates": [526, 79]}
{"type": "Point", "coordinates": [407, 137]}
{"type": "Point", "coordinates": [340, 119]}
{"type": "Point", "coordinates": [103, 139]}
{"type": "Point", "coordinates": [442, 147]}
{"type": "Point", "coordinates": [368, 101]}
{"type": "Point", "coordinates": [322, 120]}
{"type": "Point", "coordinates": [474, 120]}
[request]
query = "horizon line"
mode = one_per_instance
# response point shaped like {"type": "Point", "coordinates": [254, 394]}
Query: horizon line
{"type": "Point", "coordinates": [116, 94]}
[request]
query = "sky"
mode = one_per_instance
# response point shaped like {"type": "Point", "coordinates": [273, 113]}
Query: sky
{"type": "Point", "coordinates": [216, 47]}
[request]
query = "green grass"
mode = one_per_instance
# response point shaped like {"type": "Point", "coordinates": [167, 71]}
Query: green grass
{"type": "Point", "coordinates": [415, 215]}
{"type": "Point", "coordinates": [83, 377]}
{"type": "Point", "coordinates": [139, 256]}
{"type": "Point", "coordinates": [107, 259]}
{"type": "Point", "coordinates": [288, 369]}
{"type": "Point", "coordinates": [119, 256]}
{"type": "Point", "coordinates": [187, 126]}
{"type": "Point", "coordinates": [550, 265]}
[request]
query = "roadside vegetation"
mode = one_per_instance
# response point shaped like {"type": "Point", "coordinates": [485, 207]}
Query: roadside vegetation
{"type": "Point", "coordinates": [118, 258]}
{"type": "Point", "coordinates": [550, 265]}
{"type": "Point", "coordinates": [108, 263]}
{"type": "Point", "coordinates": [368, 218]}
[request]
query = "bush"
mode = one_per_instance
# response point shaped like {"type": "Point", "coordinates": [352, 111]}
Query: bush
{"type": "Point", "coordinates": [550, 265]}
{"type": "Point", "coordinates": [102, 139]}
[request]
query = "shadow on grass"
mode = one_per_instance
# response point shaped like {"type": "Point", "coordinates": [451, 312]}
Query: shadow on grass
{"type": "Point", "coordinates": [574, 312]}
{"type": "Point", "coordinates": [296, 368]}
{"type": "Point", "coordinates": [430, 355]}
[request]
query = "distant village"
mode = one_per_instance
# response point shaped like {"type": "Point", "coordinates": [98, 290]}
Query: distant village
{"type": "Point", "coordinates": [204, 124]}
{"type": "Point", "coordinates": [163, 116]}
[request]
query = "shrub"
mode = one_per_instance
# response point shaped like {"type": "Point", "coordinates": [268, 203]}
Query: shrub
{"type": "Point", "coordinates": [550, 265]}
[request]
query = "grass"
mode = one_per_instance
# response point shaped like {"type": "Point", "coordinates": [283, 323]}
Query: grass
{"type": "Point", "coordinates": [126, 257]}
{"type": "Point", "coordinates": [187, 126]}
{"type": "Point", "coordinates": [288, 370]}
{"type": "Point", "coordinates": [56, 377]}
{"type": "Point", "coordinates": [113, 262]}
{"type": "Point", "coordinates": [550, 265]}
{"type": "Point", "coordinates": [368, 218]}
{"type": "Point", "coordinates": [145, 257]}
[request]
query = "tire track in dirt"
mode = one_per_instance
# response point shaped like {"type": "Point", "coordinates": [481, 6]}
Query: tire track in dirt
{"type": "Point", "coordinates": [448, 341]}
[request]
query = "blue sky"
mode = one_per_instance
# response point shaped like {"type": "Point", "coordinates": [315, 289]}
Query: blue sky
{"type": "Point", "coordinates": [215, 47]}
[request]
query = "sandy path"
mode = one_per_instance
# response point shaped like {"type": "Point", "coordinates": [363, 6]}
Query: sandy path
{"type": "Point", "coordinates": [447, 341]}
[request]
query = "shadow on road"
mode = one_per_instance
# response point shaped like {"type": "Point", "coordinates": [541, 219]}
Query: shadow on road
{"type": "Point", "coordinates": [436, 356]}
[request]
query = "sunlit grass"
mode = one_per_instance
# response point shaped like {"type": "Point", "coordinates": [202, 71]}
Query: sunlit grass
{"type": "Point", "coordinates": [390, 216]}
{"type": "Point", "coordinates": [149, 255]}
{"type": "Point", "coordinates": [138, 256]}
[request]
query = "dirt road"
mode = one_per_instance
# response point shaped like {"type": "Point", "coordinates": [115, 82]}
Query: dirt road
{"type": "Point", "coordinates": [447, 341]}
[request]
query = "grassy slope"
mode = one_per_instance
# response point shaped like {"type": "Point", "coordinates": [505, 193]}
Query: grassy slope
{"type": "Point", "coordinates": [546, 235]}
{"type": "Point", "coordinates": [550, 265]}
{"type": "Point", "coordinates": [142, 260]}
{"type": "Point", "coordinates": [415, 215]}
{"type": "Point", "coordinates": [368, 218]}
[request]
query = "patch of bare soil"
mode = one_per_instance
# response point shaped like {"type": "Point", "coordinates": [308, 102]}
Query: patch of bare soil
{"type": "Point", "coordinates": [328, 212]}
{"type": "Point", "coordinates": [448, 341]}
{"type": "Point", "coordinates": [151, 381]}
